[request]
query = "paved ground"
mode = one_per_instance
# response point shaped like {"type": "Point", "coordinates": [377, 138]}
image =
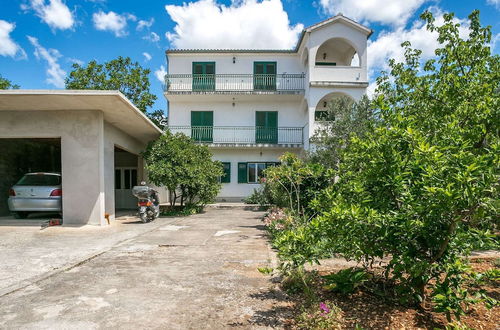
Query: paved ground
{"type": "Point", "coordinates": [175, 273]}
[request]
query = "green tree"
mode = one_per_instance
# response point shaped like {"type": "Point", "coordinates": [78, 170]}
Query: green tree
{"type": "Point", "coordinates": [342, 119]}
{"type": "Point", "coordinates": [185, 168]}
{"type": "Point", "coordinates": [7, 84]}
{"type": "Point", "coordinates": [159, 118]}
{"type": "Point", "coordinates": [121, 74]}
{"type": "Point", "coordinates": [416, 189]}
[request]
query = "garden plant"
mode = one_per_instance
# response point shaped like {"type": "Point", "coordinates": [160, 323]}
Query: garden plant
{"type": "Point", "coordinates": [417, 185]}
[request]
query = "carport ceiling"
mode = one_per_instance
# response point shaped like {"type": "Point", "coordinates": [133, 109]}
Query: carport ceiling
{"type": "Point", "coordinates": [117, 109]}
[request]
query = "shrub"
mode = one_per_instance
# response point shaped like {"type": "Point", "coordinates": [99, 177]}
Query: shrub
{"type": "Point", "coordinates": [260, 195]}
{"type": "Point", "coordinates": [320, 316]}
{"type": "Point", "coordinates": [296, 183]}
{"type": "Point", "coordinates": [185, 168]}
{"type": "Point", "coordinates": [346, 280]}
{"type": "Point", "coordinates": [417, 187]}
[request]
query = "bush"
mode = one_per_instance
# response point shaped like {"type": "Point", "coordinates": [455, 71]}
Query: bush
{"type": "Point", "coordinates": [185, 168]}
{"type": "Point", "coordinates": [260, 195]}
{"type": "Point", "coordinates": [417, 188]}
{"type": "Point", "coordinates": [346, 281]}
{"type": "Point", "coordinates": [295, 183]}
{"type": "Point", "coordinates": [320, 316]}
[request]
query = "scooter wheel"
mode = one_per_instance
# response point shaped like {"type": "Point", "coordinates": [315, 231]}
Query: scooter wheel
{"type": "Point", "coordinates": [144, 218]}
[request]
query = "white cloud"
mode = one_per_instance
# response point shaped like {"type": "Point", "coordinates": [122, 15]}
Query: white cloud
{"type": "Point", "coordinates": [388, 43]}
{"type": "Point", "coordinates": [9, 47]}
{"type": "Point", "coordinates": [390, 12]}
{"type": "Point", "coordinates": [55, 13]}
{"type": "Point", "coordinates": [74, 60]}
{"type": "Point", "coordinates": [243, 24]}
{"type": "Point", "coordinates": [55, 75]}
{"type": "Point", "coordinates": [144, 24]}
{"type": "Point", "coordinates": [153, 37]}
{"type": "Point", "coordinates": [495, 3]}
{"type": "Point", "coordinates": [111, 22]}
{"type": "Point", "coordinates": [147, 56]}
{"type": "Point", "coordinates": [160, 73]}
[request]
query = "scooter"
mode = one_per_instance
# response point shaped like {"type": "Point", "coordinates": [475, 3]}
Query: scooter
{"type": "Point", "coordinates": [149, 203]}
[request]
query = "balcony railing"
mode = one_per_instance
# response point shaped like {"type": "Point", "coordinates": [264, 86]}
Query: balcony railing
{"type": "Point", "coordinates": [243, 135]}
{"type": "Point", "coordinates": [235, 83]}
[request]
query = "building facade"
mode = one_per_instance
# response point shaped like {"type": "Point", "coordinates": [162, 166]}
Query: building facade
{"type": "Point", "coordinates": [251, 106]}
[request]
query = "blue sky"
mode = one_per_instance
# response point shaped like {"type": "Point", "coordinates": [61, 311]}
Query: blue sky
{"type": "Point", "coordinates": [40, 39]}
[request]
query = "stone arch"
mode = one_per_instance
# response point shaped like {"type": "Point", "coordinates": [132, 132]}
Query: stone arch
{"type": "Point", "coordinates": [337, 52]}
{"type": "Point", "coordinates": [322, 105]}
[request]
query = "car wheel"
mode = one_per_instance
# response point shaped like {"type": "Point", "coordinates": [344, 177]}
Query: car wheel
{"type": "Point", "coordinates": [20, 215]}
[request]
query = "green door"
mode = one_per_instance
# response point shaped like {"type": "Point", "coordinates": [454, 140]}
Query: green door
{"type": "Point", "coordinates": [203, 76]}
{"type": "Point", "coordinates": [264, 74]}
{"type": "Point", "coordinates": [202, 123]}
{"type": "Point", "coordinates": [266, 127]}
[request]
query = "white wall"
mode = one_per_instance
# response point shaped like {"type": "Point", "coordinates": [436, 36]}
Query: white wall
{"type": "Point", "coordinates": [290, 114]}
{"type": "Point", "coordinates": [183, 63]}
{"type": "Point", "coordinates": [292, 111]}
{"type": "Point", "coordinates": [236, 191]}
{"type": "Point", "coordinates": [82, 150]}
{"type": "Point", "coordinates": [115, 137]}
{"type": "Point", "coordinates": [354, 37]}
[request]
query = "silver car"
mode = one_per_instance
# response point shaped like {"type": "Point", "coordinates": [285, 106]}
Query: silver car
{"type": "Point", "coordinates": [36, 192]}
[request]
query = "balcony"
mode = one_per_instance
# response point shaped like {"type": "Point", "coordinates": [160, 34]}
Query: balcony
{"type": "Point", "coordinates": [234, 83]}
{"type": "Point", "coordinates": [222, 136]}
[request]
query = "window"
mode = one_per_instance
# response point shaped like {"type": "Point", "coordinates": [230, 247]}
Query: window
{"type": "Point", "coordinates": [226, 177]}
{"type": "Point", "coordinates": [252, 172]}
{"type": "Point", "coordinates": [203, 76]}
{"type": "Point", "coordinates": [118, 179]}
{"type": "Point", "coordinates": [321, 115]}
{"type": "Point", "coordinates": [326, 63]}
{"type": "Point", "coordinates": [125, 178]}
{"type": "Point", "coordinates": [266, 127]}
{"type": "Point", "coordinates": [264, 76]}
{"type": "Point", "coordinates": [202, 123]}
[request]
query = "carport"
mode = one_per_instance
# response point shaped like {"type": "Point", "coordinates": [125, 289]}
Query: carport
{"type": "Point", "coordinates": [91, 126]}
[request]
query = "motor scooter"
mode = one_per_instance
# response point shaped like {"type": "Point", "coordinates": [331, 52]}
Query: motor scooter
{"type": "Point", "coordinates": [148, 202]}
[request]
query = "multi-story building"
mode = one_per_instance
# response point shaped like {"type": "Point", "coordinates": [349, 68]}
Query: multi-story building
{"type": "Point", "coordinates": [251, 106]}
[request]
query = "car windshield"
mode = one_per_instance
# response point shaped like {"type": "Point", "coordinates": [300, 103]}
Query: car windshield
{"type": "Point", "coordinates": [39, 180]}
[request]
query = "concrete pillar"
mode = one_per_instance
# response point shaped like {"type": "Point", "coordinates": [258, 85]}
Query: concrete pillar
{"type": "Point", "coordinates": [82, 158]}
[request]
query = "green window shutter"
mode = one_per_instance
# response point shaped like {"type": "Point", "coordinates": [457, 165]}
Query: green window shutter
{"type": "Point", "coordinates": [272, 119]}
{"type": "Point", "coordinates": [266, 127]}
{"type": "Point", "coordinates": [271, 68]}
{"type": "Point", "coordinates": [208, 118]}
{"type": "Point", "coordinates": [202, 123]}
{"type": "Point", "coordinates": [226, 177]}
{"type": "Point", "coordinates": [196, 118]}
{"type": "Point", "coordinates": [242, 172]}
{"type": "Point", "coordinates": [260, 118]}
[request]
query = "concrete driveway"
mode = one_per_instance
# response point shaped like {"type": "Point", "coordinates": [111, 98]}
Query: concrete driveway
{"type": "Point", "coordinates": [175, 273]}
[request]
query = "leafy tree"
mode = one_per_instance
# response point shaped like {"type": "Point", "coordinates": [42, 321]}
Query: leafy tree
{"type": "Point", "coordinates": [7, 84]}
{"type": "Point", "coordinates": [342, 119]}
{"type": "Point", "coordinates": [185, 168]}
{"type": "Point", "coordinates": [121, 74]}
{"type": "Point", "coordinates": [158, 118]}
{"type": "Point", "coordinates": [416, 188]}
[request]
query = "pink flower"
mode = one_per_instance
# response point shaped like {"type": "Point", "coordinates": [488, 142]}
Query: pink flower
{"type": "Point", "coordinates": [324, 308]}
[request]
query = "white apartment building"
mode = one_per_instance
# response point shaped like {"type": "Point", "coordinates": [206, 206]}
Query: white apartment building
{"type": "Point", "coordinates": [251, 106]}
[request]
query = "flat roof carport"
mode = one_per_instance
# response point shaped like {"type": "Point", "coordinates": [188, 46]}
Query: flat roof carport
{"type": "Point", "coordinates": [90, 124]}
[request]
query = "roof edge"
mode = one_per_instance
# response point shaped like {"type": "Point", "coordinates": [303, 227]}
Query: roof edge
{"type": "Point", "coordinates": [94, 92]}
{"type": "Point", "coordinates": [331, 19]}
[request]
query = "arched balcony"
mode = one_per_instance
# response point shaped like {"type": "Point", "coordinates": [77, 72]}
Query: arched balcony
{"type": "Point", "coordinates": [337, 62]}
{"type": "Point", "coordinates": [337, 52]}
{"type": "Point", "coordinates": [321, 111]}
